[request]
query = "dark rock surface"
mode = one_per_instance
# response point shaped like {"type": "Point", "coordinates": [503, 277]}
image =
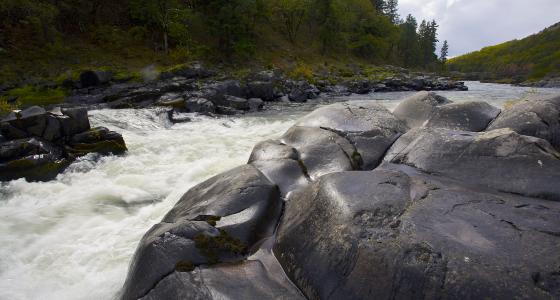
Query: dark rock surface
{"type": "Point", "coordinates": [468, 116]}
{"type": "Point", "coordinates": [448, 214]}
{"type": "Point", "coordinates": [245, 280]}
{"type": "Point", "coordinates": [370, 127]}
{"type": "Point", "coordinates": [39, 144]}
{"type": "Point", "coordinates": [500, 159]}
{"type": "Point", "coordinates": [538, 117]}
{"type": "Point", "coordinates": [387, 235]}
{"type": "Point", "coordinates": [419, 108]}
{"type": "Point", "coordinates": [216, 221]}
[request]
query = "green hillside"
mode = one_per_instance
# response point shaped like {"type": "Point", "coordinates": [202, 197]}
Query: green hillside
{"type": "Point", "coordinates": [53, 40]}
{"type": "Point", "coordinates": [530, 59]}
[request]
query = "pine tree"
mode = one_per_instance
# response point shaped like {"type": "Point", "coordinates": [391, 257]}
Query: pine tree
{"type": "Point", "coordinates": [379, 6]}
{"type": "Point", "coordinates": [391, 10]}
{"type": "Point", "coordinates": [408, 44]}
{"type": "Point", "coordinates": [444, 52]}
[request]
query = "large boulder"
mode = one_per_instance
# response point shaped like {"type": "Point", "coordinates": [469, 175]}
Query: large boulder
{"type": "Point", "coordinates": [387, 235]}
{"type": "Point", "coordinates": [419, 108]}
{"type": "Point", "coordinates": [261, 89]}
{"type": "Point", "coordinates": [467, 116]}
{"type": "Point", "coordinates": [21, 124]}
{"type": "Point", "coordinates": [370, 127]}
{"type": "Point", "coordinates": [280, 163]}
{"type": "Point", "coordinates": [74, 121]}
{"type": "Point", "coordinates": [216, 221]}
{"type": "Point", "coordinates": [301, 91]}
{"type": "Point", "coordinates": [200, 105]}
{"type": "Point", "coordinates": [538, 117]}
{"type": "Point", "coordinates": [244, 280]}
{"type": "Point", "coordinates": [500, 159]}
{"type": "Point", "coordinates": [322, 151]}
{"type": "Point", "coordinates": [97, 140]}
{"type": "Point", "coordinates": [32, 159]}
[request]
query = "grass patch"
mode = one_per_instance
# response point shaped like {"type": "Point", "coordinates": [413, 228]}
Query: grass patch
{"type": "Point", "coordinates": [28, 96]}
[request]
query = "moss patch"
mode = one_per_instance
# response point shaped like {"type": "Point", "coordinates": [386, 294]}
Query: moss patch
{"type": "Point", "coordinates": [211, 247]}
{"type": "Point", "coordinates": [103, 147]}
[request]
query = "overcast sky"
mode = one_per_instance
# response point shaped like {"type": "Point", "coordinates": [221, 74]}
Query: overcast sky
{"type": "Point", "coordinates": [469, 25]}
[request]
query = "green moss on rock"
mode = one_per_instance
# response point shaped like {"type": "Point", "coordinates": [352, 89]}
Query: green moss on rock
{"type": "Point", "coordinates": [212, 246]}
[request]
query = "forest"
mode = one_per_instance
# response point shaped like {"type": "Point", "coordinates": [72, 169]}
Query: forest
{"type": "Point", "coordinates": [532, 58]}
{"type": "Point", "coordinates": [46, 38]}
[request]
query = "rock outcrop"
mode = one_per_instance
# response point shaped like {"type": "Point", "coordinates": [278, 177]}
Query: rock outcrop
{"type": "Point", "coordinates": [423, 204]}
{"type": "Point", "coordinates": [40, 144]}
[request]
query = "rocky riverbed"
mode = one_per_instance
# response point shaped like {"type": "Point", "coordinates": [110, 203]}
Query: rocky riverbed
{"type": "Point", "coordinates": [434, 200]}
{"type": "Point", "coordinates": [196, 89]}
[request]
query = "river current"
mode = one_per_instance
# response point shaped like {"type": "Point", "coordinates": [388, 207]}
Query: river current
{"type": "Point", "coordinates": [73, 237]}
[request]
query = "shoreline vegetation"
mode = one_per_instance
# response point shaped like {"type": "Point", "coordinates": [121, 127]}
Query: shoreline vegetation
{"type": "Point", "coordinates": [44, 43]}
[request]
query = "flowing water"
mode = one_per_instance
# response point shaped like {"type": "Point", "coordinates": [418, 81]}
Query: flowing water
{"type": "Point", "coordinates": [72, 238]}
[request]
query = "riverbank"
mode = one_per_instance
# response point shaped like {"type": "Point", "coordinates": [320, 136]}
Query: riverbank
{"type": "Point", "coordinates": [197, 88]}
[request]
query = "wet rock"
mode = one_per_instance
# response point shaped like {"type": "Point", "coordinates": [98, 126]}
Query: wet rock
{"type": "Point", "coordinates": [28, 122]}
{"type": "Point", "coordinates": [217, 220]}
{"type": "Point", "coordinates": [255, 104]}
{"type": "Point", "coordinates": [536, 117]}
{"type": "Point", "coordinates": [237, 103]}
{"type": "Point", "coordinates": [370, 127]}
{"type": "Point", "coordinates": [75, 121]}
{"type": "Point", "coordinates": [32, 159]}
{"type": "Point", "coordinates": [261, 89]}
{"type": "Point", "coordinates": [499, 159]}
{"type": "Point", "coordinates": [270, 150]}
{"type": "Point", "coordinates": [53, 129]}
{"type": "Point", "coordinates": [245, 280]}
{"type": "Point", "coordinates": [301, 91]}
{"type": "Point", "coordinates": [467, 116]}
{"type": "Point", "coordinates": [321, 151]}
{"type": "Point", "coordinates": [387, 234]}
{"type": "Point", "coordinates": [200, 105]}
{"type": "Point", "coordinates": [97, 140]}
{"type": "Point", "coordinates": [360, 87]}
{"type": "Point", "coordinates": [419, 108]}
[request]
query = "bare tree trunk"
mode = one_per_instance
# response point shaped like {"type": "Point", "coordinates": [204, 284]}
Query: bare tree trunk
{"type": "Point", "coordinates": [165, 43]}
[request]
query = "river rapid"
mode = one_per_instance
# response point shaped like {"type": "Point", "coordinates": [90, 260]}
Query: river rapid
{"type": "Point", "coordinates": [73, 237]}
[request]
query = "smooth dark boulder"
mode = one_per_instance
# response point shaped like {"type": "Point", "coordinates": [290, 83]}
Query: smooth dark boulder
{"type": "Point", "coordinates": [271, 150]}
{"type": "Point", "coordinates": [390, 234]}
{"type": "Point", "coordinates": [237, 103]}
{"type": "Point", "coordinates": [244, 280]}
{"type": "Point", "coordinates": [255, 104]}
{"type": "Point", "coordinates": [301, 91]}
{"type": "Point", "coordinates": [216, 221]}
{"type": "Point", "coordinates": [499, 159]}
{"type": "Point", "coordinates": [468, 116]}
{"type": "Point", "coordinates": [370, 127]}
{"type": "Point", "coordinates": [538, 117]}
{"type": "Point", "coordinates": [419, 108]}
{"type": "Point", "coordinates": [322, 151]}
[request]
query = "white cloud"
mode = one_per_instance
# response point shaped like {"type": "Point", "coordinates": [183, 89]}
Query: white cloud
{"type": "Point", "coordinates": [473, 24]}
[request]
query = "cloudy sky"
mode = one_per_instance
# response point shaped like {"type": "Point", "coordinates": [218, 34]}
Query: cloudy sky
{"type": "Point", "coordinates": [469, 25]}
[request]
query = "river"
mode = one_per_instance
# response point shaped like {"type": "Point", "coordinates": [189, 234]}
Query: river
{"type": "Point", "coordinates": [73, 238]}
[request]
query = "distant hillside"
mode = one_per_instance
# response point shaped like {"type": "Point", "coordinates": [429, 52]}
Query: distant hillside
{"type": "Point", "coordinates": [530, 59]}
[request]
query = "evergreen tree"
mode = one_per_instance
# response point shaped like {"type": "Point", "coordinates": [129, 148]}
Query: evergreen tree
{"type": "Point", "coordinates": [391, 10]}
{"type": "Point", "coordinates": [379, 6]}
{"type": "Point", "coordinates": [444, 52]}
{"type": "Point", "coordinates": [408, 44]}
